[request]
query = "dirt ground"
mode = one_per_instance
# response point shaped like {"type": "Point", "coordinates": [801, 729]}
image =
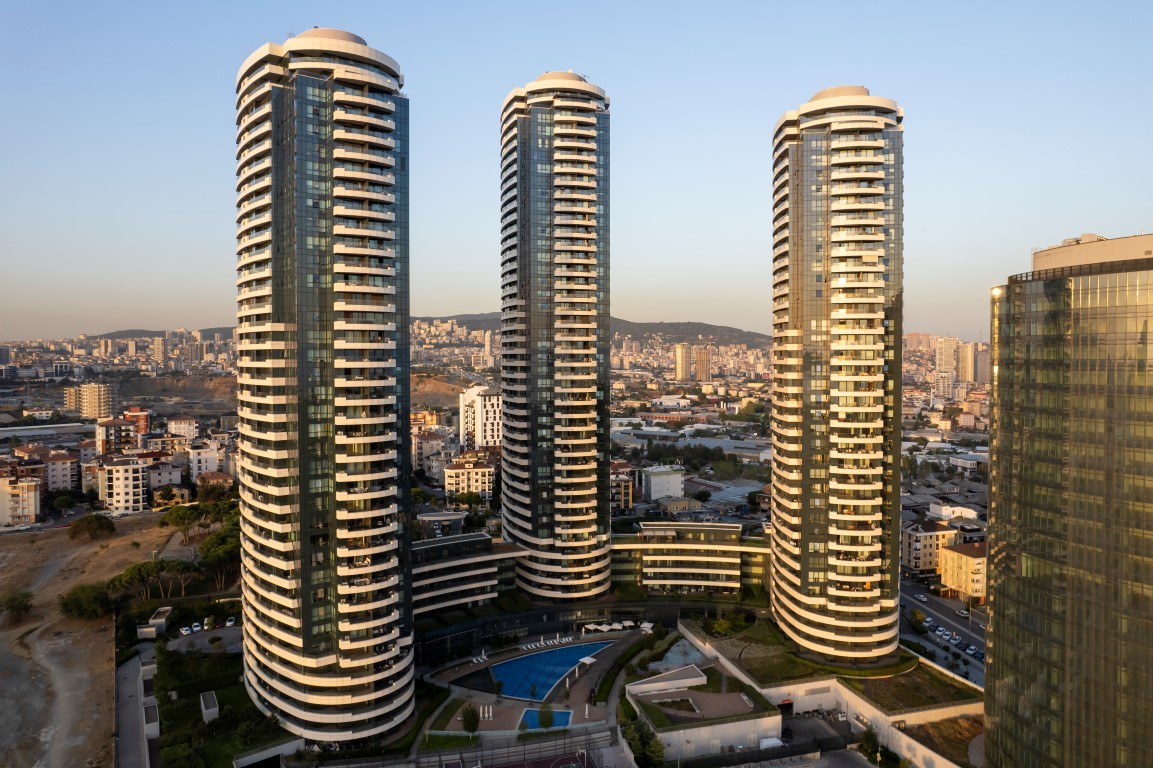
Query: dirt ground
{"type": "Point", "coordinates": [57, 701]}
{"type": "Point", "coordinates": [435, 392]}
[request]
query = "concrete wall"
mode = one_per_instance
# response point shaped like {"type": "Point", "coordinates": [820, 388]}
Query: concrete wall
{"type": "Point", "coordinates": [256, 755]}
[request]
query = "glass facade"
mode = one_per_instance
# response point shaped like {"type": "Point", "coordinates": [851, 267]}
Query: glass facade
{"type": "Point", "coordinates": [554, 334]}
{"type": "Point", "coordinates": [1070, 641]}
{"type": "Point", "coordinates": [836, 397]}
{"type": "Point", "coordinates": [322, 384]}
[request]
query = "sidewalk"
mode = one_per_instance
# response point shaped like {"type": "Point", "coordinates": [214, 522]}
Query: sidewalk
{"type": "Point", "coordinates": [131, 747]}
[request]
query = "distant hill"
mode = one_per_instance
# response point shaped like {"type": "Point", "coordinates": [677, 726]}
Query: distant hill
{"type": "Point", "coordinates": [225, 331]}
{"type": "Point", "coordinates": [490, 321]}
{"type": "Point", "coordinates": [670, 332]}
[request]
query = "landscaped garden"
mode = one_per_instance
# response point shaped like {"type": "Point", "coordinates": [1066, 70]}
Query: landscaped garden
{"type": "Point", "coordinates": [770, 658]}
{"type": "Point", "coordinates": [186, 741]}
{"type": "Point", "coordinates": [949, 738]}
{"type": "Point", "coordinates": [919, 687]}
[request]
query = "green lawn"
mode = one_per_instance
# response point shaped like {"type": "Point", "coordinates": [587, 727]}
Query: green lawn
{"type": "Point", "coordinates": [447, 716]}
{"type": "Point", "coordinates": [434, 741]}
{"type": "Point", "coordinates": [918, 687]}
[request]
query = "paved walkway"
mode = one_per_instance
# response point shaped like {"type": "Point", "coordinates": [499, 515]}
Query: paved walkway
{"type": "Point", "coordinates": [131, 747]}
{"type": "Point", "coordinates": [977, 751]}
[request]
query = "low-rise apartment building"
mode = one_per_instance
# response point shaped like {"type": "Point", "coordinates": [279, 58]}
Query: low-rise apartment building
{"type": "Point", "coordinates": [19, 500]}
{"type": "Point", "coordinates": [457, 572]}
{"type": "Point", "coordinates": [963, 570]}
{"type": "Point", "coordinates": [477, 477]}
{"type": "Point", "coordinates": [673, 557]}
{"type": "Point", "coordinates": [123, 484]}
{"type": "Point", "coordinates": [661, 481]}
{"type": "Point", "coordinates": [921, 545]}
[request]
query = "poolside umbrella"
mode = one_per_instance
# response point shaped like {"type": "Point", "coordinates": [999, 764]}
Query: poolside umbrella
{"type": "Point", "coordinates": [588, 660]}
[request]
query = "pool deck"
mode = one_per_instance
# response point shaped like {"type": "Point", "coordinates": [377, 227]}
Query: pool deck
{"type": "Point", "coordinates": [507, 713]}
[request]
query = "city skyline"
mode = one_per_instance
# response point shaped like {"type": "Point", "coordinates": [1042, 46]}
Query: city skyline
{"type": "Point", "coordinates": [454, 267]}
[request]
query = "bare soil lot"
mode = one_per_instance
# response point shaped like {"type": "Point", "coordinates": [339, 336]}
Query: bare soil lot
{"type": "Point", "coordinates": [56, 703]}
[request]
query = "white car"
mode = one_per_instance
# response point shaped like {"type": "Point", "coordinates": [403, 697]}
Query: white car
{"type": "Point", "coordinates": [920, 598]}
{"type": "Point", "coordinates": [230, 622]}
{"type": "Point", "coordinates": [962, 613]}
{"type": "Point", "coordinates": [186, 631]}
{"type": "Point", "coordinates": [196, 626]}
{"type": "Point", "coordinates": [971, 650]}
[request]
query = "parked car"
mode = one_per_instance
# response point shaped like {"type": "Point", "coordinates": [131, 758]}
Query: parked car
{"type": "Point", "coordinates": [941, 630]}
{"type": "Point", "coordinates": [209, 623]}
{"type": "Point", "coordinates": [186, 631]}
{"type": "Point", "coordinates": [979, 655]}
{"type": "Point", "coordinates": [928, 622]}
{"type": "Point", "coordinates": [962, 613]}
{"type": "Point", "coordinates": [972, 649]}
{"type": "Point", "coordinates": [231, 622]}
{"type": "Point", "coordinates": [920, 598]}
{"type": "Point", "coordinates": [196, 626]}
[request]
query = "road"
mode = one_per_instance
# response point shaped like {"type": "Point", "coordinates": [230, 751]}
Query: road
{"type": "Point", "coordinates": [943, 612]}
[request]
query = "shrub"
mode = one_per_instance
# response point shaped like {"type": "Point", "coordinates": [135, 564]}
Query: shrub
{"type": "Point", "coordinates": [86, 601]}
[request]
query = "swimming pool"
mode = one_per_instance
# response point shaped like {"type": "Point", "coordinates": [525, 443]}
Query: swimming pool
{"type": "Point", "coordinates": [533, 676]}
{"type": "Point", "coordinates": [531, 719]}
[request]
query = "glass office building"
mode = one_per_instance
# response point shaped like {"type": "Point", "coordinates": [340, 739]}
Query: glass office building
{"type": "Point", "coordinates": [836, 396]}
{"type": "Point", "coordinates": [322, 384]}
{"type": "Point", "coordinates": [554, 334]}
{"type": "Point", "coordinates": [1070, 641]}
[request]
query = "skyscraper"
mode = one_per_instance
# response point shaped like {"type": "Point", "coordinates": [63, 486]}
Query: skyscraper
{"type": "Point", "coordinates": [554, 334]}
{"type": "Point", "coordinates": [946, 354]}
{"type": "Point", "coordinates": [322, 364]}
{"type": "Point", "coordinates": [682, 362]}
{"type": "Point", "coordinates": [1070, 674]}
{"type": "Point", "coordinates": [837, 252]}
{"type": "Point", "coordinates": [702, 363]}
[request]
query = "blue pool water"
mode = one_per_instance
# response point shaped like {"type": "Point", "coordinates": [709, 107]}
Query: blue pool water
{"type": "Point", "coordinates": [533, 676]}
{"type": "Point", "coordinates": [531, 718]}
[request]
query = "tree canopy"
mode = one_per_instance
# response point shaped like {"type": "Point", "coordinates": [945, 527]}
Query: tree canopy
{"type": "Point", "coordinates": [93, 526]}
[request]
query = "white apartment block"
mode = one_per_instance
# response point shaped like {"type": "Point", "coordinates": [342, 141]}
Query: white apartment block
{"type": "Point", "coordinates": [201, 458]}
{"type": "Point", "coordinates": [160, 475]}
{"type": "Point", "coordinates": [62, 470]}
{"type": "Point", "coordinates": [663, 481]}
{"type": "Point", "coordinates": [479, 418]}
{"type": "Point", "coordinates": [123, 485]}
{"type": "Point", "coordinates": [184, 425]}
{"type": "Point", "coordinates": [19, 500]}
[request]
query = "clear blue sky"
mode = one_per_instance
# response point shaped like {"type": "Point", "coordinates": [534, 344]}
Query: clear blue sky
{"type": "Point", "coordinates": [1025, 123]}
